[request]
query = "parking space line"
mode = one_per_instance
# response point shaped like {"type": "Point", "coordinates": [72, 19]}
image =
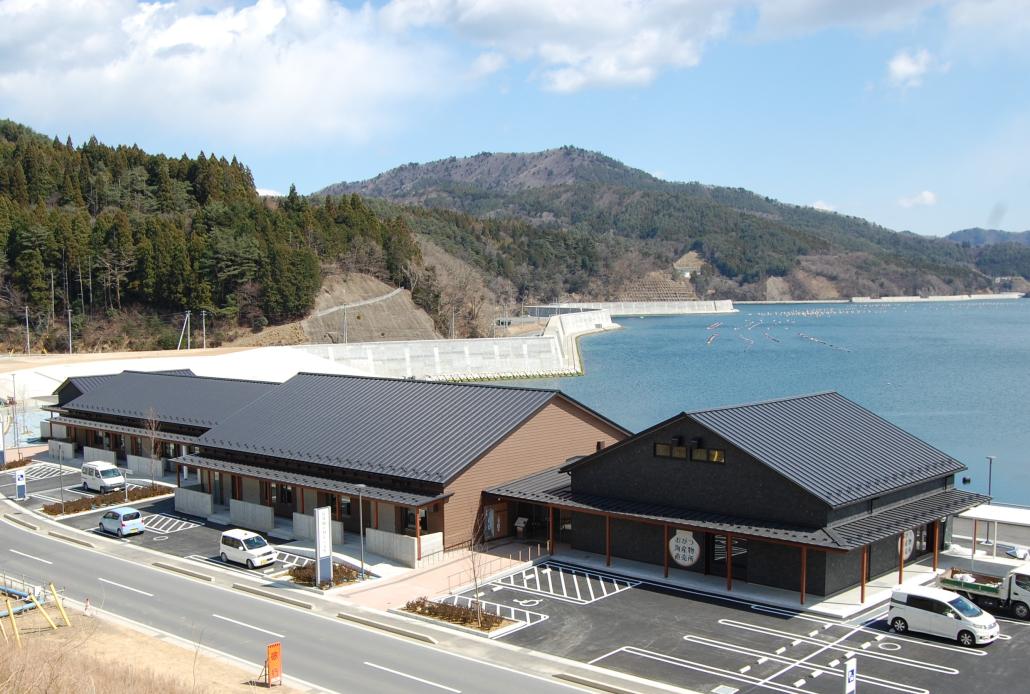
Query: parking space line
{"type": "Point", "coordinates": [560, 589]}
{"type": "Point", "coordinates": [515, 614]}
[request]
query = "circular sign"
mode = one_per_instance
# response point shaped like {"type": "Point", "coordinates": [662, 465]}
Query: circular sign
{"type": "Point", "coordinates": [910, 543]}
{"type": "Point", "coordinates": [684, 548]}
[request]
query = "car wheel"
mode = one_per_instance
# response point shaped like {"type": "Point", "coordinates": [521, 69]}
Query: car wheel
{"type": "Point", "coordinates": [120, 533]}
{"type": "Point", "coordinates": [225, 559]}
{"type": "Point", "coordinates": [899, 625]}
{"type": "Point", "coordinates": [966, 638]}
{"type": "Point", "coordinates": [250, 564]}
{"type": "Point", "coordinates": [1021, 610]}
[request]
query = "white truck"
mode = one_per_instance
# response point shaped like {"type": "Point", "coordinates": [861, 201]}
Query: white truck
{"type": "Point", "coordinates": [1010, 592]}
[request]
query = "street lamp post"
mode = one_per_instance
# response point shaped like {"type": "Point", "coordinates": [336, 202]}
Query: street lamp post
{"type": "Point", "coordinates": [990, 467]}
{"type": "Point", "coordinates": [60, 474]}
{"type": "Point", "coordinates": [361, 526]}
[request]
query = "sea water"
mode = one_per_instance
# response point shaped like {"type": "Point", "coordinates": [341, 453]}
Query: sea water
{"type": "Point", "coordinates": [956, 375]}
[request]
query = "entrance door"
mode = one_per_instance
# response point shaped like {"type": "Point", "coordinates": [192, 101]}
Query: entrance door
{"type": "Point", "coordinates": [496, 522]}
{"type": "Point", "coordinates": [282, 500]}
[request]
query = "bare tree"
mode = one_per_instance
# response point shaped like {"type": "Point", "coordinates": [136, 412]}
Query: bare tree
{"type": "Point", "coordinates": [476, 545]}
{"type": "Point", "coordinates": [152, 425]}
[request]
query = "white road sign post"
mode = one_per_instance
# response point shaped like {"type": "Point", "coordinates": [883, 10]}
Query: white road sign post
{"type": "Point", "coordinates": [19, 485]}
{"type": "Point", "coordinates": [851, 676]}
{"type": "Point", "coordinates": [323, 546]}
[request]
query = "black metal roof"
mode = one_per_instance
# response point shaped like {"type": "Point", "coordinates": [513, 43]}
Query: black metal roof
{"type": "Point", "coordinates": [423, 430]}
{"type": "Point", "coordinates": [84, 384]}
{"type": "Point", "coordinates": [554, 487]}
{"type": "Point", "coordinates": [311, 482]}
{"type": "Point", "coordinates": [830, 446]}
{"type": "Point", "coordinates": [178, 398]}
{"type": "Point", "coordinates": [120, 429]}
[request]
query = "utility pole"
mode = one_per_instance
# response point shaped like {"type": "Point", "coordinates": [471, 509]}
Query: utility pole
{"type": "Point", "coordinates": [189, 332]}
{"type": "Point", "coordinates": [53, 303]}
{"type": "Point", "coordinates": [990, 467]}
{"type": "Point", "coordinates": [344, 325]}
{"type": "Point", "coordinates": [69, 331]}
{"type": "Point", "coordinates": [452, 322]}
{"type": "Point", "coordinates": [182, 332]}
{"type": "Point", "coordinates": [203, 326]}
{"type": "Point", "coordinates": [27, 330]}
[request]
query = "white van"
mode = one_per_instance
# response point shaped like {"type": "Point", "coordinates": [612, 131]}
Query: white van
{"type": "Point", "coordinates": [102, 477]}
{"type": "Point", "coordinates": [245, 547]}
{"type": "Point", "coordinates": [941, 613]}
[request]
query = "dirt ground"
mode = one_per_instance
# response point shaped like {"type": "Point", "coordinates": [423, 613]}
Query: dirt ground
{"type": "Point", "coordinates": [79, 659]}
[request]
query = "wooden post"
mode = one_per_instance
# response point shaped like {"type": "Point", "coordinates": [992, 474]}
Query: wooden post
{"type": "Point", "coordinates": [709, 550]}
{"type": "Point", "coordinates": [936, 542]}
{"type": "Point", "coordinates": [40, 610]}
{"type": "Point", "coordinates": [3, 632]}
{"type": "Point", "coordinates": [550, 530]}
{"type": "Point", "coordinates": [729, 561]}
{"type": "Point", "coordinates": [178, 475]}
{"type": "Point", "coordinates": [14, 624]}
{"type": "Point", "coordinates": [865, 571]}
{"type": "Point", "coordinates": [418, 532]}
{"type": "Point", "coordinates": [804, 571]}
{"type": "Point", "coordinates": [665, 549]}
{"type": "Point", "coordinates": [901, 558]}
{"type": "Point", "coordinates": [607, 540]}
{"type": "Point", "coordinates": [60, 605]}
{"type": "Point", "coordinates": [300, 493]}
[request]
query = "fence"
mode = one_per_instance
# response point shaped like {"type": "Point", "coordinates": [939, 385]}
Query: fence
{"type": "Point", "coordinates": [485, 570]}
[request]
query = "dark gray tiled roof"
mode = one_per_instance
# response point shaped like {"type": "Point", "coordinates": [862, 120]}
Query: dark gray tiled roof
{"type": "Point", "coordinates": [829, 446]}
{"type": "Point", "coordinates": [553, 487]}
{"type": "Point", "coordinates": [411, 429]}
{"type": "Point", "coordinates": [175, 398]}
{"type": "Point", "coordinates": [320, 483]}
{"type": "Point", "coordinates": [118, 429]}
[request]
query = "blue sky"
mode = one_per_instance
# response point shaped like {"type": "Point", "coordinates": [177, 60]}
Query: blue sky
{"type": "Point", "coordinates": [912, 113]}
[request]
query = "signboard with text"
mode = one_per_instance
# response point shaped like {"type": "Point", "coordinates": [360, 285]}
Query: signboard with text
{"type": "Point", "coordinates": [323, 545]}
{"type": "Point", "coordinates": [684, 548]}
{"type": "Point", "coordinates": [274, 663]}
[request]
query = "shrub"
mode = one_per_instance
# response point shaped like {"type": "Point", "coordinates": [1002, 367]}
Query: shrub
{"type": "Point", "coordinates": [102, 500]}
{"type": "Point", "coordinates": [457, 614]}
{"type": "Point", "coordinates": [305, 575]}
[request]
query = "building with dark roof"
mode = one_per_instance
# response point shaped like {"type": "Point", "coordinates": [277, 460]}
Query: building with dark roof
{"type": "Point", "coordinates": [813, 493]}
{"type": "Point", "coordinates": [416, 454]}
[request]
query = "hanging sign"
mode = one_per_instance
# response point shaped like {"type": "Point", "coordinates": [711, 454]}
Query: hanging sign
{"type": "Point", "coordinates": [910, 543]}
{"type": "Point", "coordinates": [684, 549]}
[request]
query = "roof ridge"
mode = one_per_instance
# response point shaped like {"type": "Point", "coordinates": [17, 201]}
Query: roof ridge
{"type": "Point", "coordinates": [770, 401]}
{"type": "Point", "coordinates": [206, 378]}
{"type": "Point", "coordinates": [424, 381]}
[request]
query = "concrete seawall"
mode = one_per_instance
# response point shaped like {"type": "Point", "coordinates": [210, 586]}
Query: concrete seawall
{"type": "Point", "coordinates": [931, 299]}
{"type": "Point", "coordinates": [554, 353]}
{"type": "Point", "coordinates": [636, 308]}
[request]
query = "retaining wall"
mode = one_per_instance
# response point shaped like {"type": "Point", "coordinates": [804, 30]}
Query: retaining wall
{"type": "Point", "coordinates": [141, 466]}
{"type": "Point", "coordinates": [304, 528]}
{"type": "Point", "coordinates": [90, 454]}
{"type": "Point", "coordinates": [63, 450]}
{"type": "Point", "coordinates": [921, 299]}
{"type": "Point", "coordinates": [251, 516]}
{"type": "Point", "coordinates": [193, 502]}
{"type": "Point", "coordinates": [636, 308]}
{"type": "Point", "coordinates": [402, 548]}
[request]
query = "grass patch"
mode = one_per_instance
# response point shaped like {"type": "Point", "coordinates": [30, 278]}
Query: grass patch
{"type": "Point", "coordinates": [89, 503]}
{"type": "Point", "coordinates": [305, 575]}
{"type": "Point", "coordinates": [455, 614]}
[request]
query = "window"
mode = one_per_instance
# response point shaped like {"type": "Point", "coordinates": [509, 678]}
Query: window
{"type": "Point", "coordinates": [131, 516]}
{"type": "Point", "coordinates": [1022, 581]}
{"type": "Point", "coordinates": [716, 455]}
{"type": "Point", "coordinates": [920, 603]}
{"type": "Point", "coordinates": [679, 452]}
{"type": "Point", "coordinates": [699, 454]}
{"type": "Point", "coordinates": [662, 450]}
{"type": "Point", "coordinates": [409, 518]}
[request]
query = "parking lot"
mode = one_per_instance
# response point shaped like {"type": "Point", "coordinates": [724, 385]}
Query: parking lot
{"type": "Point", "coordinates": [48, 483]}
{"type": "Point", "coordinates": [710, 643]}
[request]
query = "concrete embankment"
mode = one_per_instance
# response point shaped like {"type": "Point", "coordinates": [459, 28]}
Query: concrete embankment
{"type": "Point", "coordinates": [636, 308]}
{"type": "Point", "coordinates": [927, 299]}
{"type": "Point", "coordinates": [552, 354]}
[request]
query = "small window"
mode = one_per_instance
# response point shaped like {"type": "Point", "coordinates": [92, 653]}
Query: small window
{"type": "Point", "coordinates": [699, 454]}
{"type": "Point", "coordinates": [679, 452]}
{"type": "Point", "coordinates": [1022, 581]}
{"type": "Point", "coordinates": [716, 455]}
{"type": "Point", "coordinates": [662, 450]}
{"type": "Point", "coordinates": [110, 515]}
{"type": "Point", "coordinates": [227, 541]}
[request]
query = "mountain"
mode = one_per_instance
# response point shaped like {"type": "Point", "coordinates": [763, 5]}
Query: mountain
{"type": "Point", "coordinates": [570, 221]}
{"type": "Point", "coordinates": [987, 237]}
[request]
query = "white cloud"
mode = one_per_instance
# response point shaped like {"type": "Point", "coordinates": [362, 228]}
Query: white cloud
{"type": "Point", "coordinates": [576, 44]}
{"type": "Point", "coordinates": [925, 198]}
{"type": "Point", "coordinates": [823, 205]}
{"type": "Point", "coordinates": [907, 69]}
{"type": "Point", "coordinates": [795, 17]}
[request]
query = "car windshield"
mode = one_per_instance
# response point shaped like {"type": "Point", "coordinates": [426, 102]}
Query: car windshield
{"type": "Point", "coordinates": [134, 515]}
{"type": "Point", "coordinates": [110, 473]}
{"type": "Point", "coordinates": [256, 542]}
{"type": "Point", "coordinates": [965, 607]}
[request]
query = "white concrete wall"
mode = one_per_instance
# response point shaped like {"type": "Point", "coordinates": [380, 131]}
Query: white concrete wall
{"type": "Point", "coordinates": [948, 297]}
{"type": "Point", "coordinates": [193, 502]}
{"type": "Point", "coordinates": [251, 490]}
{"type": "Point", "coordinates": [65, 450]}
{"type": "Point", "coordinates": [90, 454]}
{"type": "Point", "coordinates": [402, 548]}
{"type": "Point", "coordinates": [387, 517]}
{"type": "Point", "coordinates": [141, 466]}
{"type": "Point", "coordinates": [304, 528]}
{"type": "Point", "coordinates": [251, 516]}
{"type": "Point", "coordinates": [58, 431]}
{"type": "Point", "coordinates": [44, 429]}
{"type": "Point", "coordinates": [639, 308]}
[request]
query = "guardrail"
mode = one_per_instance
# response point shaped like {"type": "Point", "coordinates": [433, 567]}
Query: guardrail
{"type": "Point", "coordinates": [492, 566]}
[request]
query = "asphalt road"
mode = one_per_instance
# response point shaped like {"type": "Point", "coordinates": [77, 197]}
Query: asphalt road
{"type": "Point", "coordinates": [324, 652]}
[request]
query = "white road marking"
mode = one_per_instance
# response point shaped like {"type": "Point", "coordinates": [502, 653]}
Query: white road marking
{"type": "Point", "coordinates": [249, 626]}
{"type": "Point", "coordinates": [745, 669]}
{"type": "Point", "coordinates": [800, 683]}
{"type": "Point", "coordinates": [31, 557]}
{"type": "Point", "coordinates": [134, 590]}
{"type": "Point", "coordinates": [412, 677]}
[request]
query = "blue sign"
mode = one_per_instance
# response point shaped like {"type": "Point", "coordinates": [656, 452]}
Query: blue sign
{"type": "Point", "coordinates": [851, 676]}
{"type": "Point", "coordinates": [20, 491]}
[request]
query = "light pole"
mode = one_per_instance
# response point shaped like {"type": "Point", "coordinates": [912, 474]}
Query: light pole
{"type": "Point", "coordinates": [990, 467]}
{"type": "Point", "coordinates": [361, 526]}
{"type": "Point", "coordinates": [60, 474]}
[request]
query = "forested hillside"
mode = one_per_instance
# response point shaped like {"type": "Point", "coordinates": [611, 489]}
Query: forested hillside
{"type": "Point", "coordinates": [129, 240]}
{"type": "Point", "coordinates": [520, 214]}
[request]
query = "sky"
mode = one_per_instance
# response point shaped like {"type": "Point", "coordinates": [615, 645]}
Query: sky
{"type": "Point", "coordinates": [912, 113]}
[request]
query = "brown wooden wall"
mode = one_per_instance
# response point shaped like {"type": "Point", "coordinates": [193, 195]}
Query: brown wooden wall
{"type": "Point", "coordinates": [556, 433]}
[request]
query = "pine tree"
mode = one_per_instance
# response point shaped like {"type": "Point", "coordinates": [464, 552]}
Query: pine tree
{"type": "Point", "coordinates": [19, 185]}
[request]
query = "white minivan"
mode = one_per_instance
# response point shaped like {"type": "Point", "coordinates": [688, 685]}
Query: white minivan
{"type": "Point", "coordinates": [102, 477]}
{"type": "Point", "coordinates": [245, 547]}
{"type": "Point", "coordinates": [941, 613]}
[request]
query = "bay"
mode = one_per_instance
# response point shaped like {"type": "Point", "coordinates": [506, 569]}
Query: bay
{"type": "Point", "coordinates": [955, 374]}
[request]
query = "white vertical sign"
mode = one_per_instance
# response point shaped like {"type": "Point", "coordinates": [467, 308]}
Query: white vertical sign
{"type": "Point", "coordinates": [850, 676]}
{"type": "Point", "coordinates": [323, 546]}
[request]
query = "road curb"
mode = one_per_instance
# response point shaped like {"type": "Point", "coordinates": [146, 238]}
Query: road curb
{"type": "Point", "coordinates": [400, 631]}
{"type": "Point", "coordinates": [185, 572]}
{"type": "Point", "coordinates": [24, 523]}
{"type": "Point", "coordinates": [273, 596]}
{"type": "Point", "coordinates": [69, 538]}
{"type": "Point", "coordinates": [596, 684]}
